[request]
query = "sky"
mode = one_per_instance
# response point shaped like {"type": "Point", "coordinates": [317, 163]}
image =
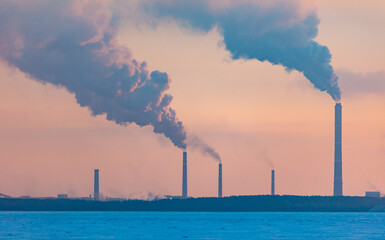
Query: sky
{"type": "Point", "coordinates": [253, 113]}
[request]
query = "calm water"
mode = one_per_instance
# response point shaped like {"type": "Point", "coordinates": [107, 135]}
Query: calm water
{"type": "Point", "coordinates": [166, 225]}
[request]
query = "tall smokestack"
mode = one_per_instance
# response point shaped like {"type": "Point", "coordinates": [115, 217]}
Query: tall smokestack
{"type": "Point", "coordinates": [338, 151]}
{"type": "Point", "coordinates": [272, 182]}
{"type": "Point", "coordinates": [96, 184]}
{"type": "Point", "coordinates": [184, 178]}
{"type": "Point", "coordinates": [220, 181]}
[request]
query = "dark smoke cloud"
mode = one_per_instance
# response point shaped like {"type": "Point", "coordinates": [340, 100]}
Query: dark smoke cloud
{"type": "Point", "coordinates": [195, 143]}
{"type": "Point", "coordinates": [72, 44]}
{"type": "Point", "coordinates": [359, 84]}
{"type": "Point", "coordinates": [271, 31]}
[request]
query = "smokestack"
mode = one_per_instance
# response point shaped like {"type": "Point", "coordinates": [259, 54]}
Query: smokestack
{"type": "Point", "coordinates": [272, 182]}
{"type": "Point", "coordinates": [96, 184]}
{"type": "Point", "coordinates": [184, 178]}
{"type": "Point", "coordinates": [220, 181]}
{"type": "Point", "coordinates": [338, 151]}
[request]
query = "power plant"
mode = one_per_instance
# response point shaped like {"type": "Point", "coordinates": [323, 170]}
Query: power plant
{"type": "Point", "coordinates": [96, 184]}
{"type": "Point", "coordinates": [220, 180]}
{"type": "Point", "coordinates": [337, 166]}
{"type": "Point", "coordinates": [272, 182]}
{"type": "Point", "coordinates": [338, 151]}
{"type": "Point", "coordinates": [184, 177]}
{"type": "Point", "coordinates": [337, 191]}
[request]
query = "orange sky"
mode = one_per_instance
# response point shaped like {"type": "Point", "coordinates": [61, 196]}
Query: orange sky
{"type": "Point", "coordinates": [50, 145]}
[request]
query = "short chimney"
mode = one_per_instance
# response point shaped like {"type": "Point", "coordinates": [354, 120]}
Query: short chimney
{"type": "Point", "coordinates": [184, 177]}
{"type": "Point", "coordinates": [272, 182]}
{"type": "Point", "coordinates": [96, 185]}
{"type": "Point", "coordinates": [220, 181]}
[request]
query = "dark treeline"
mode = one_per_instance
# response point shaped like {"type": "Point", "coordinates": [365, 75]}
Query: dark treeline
{"type": "Point", "coordinates": [228, 204]}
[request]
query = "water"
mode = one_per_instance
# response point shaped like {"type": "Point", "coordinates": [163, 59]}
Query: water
{"type": "Point", "coordinates": [171, 225]}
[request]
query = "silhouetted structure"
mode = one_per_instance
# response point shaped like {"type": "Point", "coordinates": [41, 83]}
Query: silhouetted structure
{"type": "Point", "coordinates": [220, 180]}
{"type": "Point", "coordinates": [184, 177]}
{"type": "Point", "coordinates": [338, 151]}
{"type": "Point", "coordinates": [373, 194]}
{"type": "Point", "coordinates": [96, 185]}
{"type": "Point", "coordinates": [62, 196]}
{"type": "Point", "coordinates": [272, 182]}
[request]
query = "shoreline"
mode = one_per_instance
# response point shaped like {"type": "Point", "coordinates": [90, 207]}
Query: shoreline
{"type": "Point", "coordinates": [258, 203]}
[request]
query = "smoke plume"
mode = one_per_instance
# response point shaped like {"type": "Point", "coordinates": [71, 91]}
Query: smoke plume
{"type": "Point", "coordinates": [72, 44]}
{"type": "Point", "coordinates": [278, 31]}
{"type": "Point", "coordinates": [196, 143]}
{"type": "Point", "coordinates": [263, 155]}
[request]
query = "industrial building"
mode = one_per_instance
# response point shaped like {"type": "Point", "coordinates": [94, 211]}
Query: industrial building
{"type": "Point", "coordinates": [372, 194]}
{"type": "Point", "coordinates": [62, 196]}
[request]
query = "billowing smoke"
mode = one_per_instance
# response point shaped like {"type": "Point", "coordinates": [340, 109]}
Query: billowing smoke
{"type": "Point", "coordinates": [195, 143]}
{"type": "Point", "coordinates": [72, 44]}
{"type": "Point", "coordinates": [278, 31]}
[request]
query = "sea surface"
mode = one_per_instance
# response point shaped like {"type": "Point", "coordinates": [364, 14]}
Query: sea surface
{"type": "Point", "coordinates": [187, 225]}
